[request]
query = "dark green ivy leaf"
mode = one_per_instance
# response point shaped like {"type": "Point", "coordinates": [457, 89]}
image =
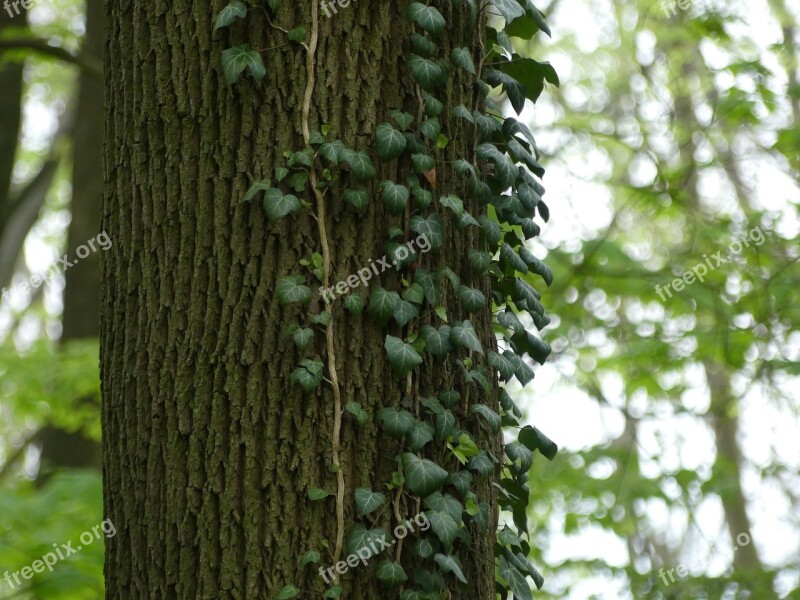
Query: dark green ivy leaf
{"type": "Point", "coordinates": [402, 356]}
{"type": "Point", "coordinates": [390, 142]}
{"type": "Point", "coordinates": [422, 475]}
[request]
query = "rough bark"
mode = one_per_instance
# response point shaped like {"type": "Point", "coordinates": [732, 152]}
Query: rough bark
{"type": "Point", "coordinates": [208, 449]}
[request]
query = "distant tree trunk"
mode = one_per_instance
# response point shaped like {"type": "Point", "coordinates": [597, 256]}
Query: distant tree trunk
{"type": "Point", "coordinates": [208, 449]}
{"type": "Point", "coordinates": [10, 120]}
{"type": "Point", "coordinates": [82, 293]}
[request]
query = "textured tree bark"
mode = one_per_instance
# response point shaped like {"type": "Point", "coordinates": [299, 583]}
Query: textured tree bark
{"type": "Point", "coordinates": [208, 449]}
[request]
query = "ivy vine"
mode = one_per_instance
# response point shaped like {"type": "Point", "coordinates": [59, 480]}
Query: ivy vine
{"type": "Point", "coordinates": [441, 460]}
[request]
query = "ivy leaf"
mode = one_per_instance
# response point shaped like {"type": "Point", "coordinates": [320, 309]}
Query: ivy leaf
{"type": "Point", "coordinates": [302, 337]}
{"type": "Point", "coordinates": [354, 408]}
{"type": "Point", "coordinates": [415, 294]}
{"type": "Point", "coordinates": [505, 171]}
{"type": "Point", "coordinates": [361, 538]}
{"type": "Point", "coordinates": [445, 422]}
{"type": "Point", "coordinates": [420, 435]}
{"type": "Point", "coordinates": [405, 312]}
{"type": "Point", "coordinates": [422, 45]}
{"type": "Point", "coordinates": [354, 304]}
{"type": "Point", "coordinates": [235, 60]}
{"type": "Point", "coordinates": [288, 592]}
{"type": "Point", "coordinates": [422, 475]}
{"type": "Point", "coordinates": [445, 528]}
{"type": "Point", "coordinates": [510, 9]}
{"type": "Point", "coordinates": [508, 253]}
{"type": "Point", "coordinates": [292, 289]}
{"type": "Point", "coordinates": [422, 197]}
{"type": "Point", "coordinates": [358, 197]}
{"type": "Point", "coordinates": [397, 422]}
{"type": "Point", "coordinates": [395, 197]}
{"type": "Point", "coordinates": [445, 505]}
{"type": "Point", "coordinates": [360, 165]}
{"type": "Point", "coordinates": [461, 481]}
{"type": "Point", "coordinates": [426, 72]}
{"type": "Point", "coordinates": [382, 304]}
{"type": "Point", "coordinates": [332, 151]}
{"type": "Point", "coordinates": [516, 581]}
{"type": "Point", "coordinates": [427, 17]}
{"type": "Point", "coordinates": [390, 142]}
{"type": "Point", "coordinates": [368, 501]}
{"type": "Point", "coordinates": [278, 205]}
{"type": "Point", "coordinates": [491, 417]}
{"type": "Point", "coordinates": [450, 564]}
{"type": "Point", "coordinates": [433, 107]}
{"type": "Point", "coordinates": [437, 341]}
{"type": "Point", "coordinates": [462, 335]}
{"type": "Point", "coordinates": [430, 285]}
{"type": "Point", "coordinates": [403, 357]}
{"type": "Point", "coordinates": [462, 57]}
{"type": "Point", "coordinates": [258, 186]}
{"type": "Point", "coordinates": [531, 74]}
{"type": "Point", "coordinates": [471, 299]}
{"type": "Point", "coordinates": [463, 112]}
{"type": "Point", "coordinates": [403, 119]}
{"type": "Point", "coordinates": [454, 203]}
{"type": "Point", "coordinates": [308, 375]}
{"type": "Point", "coordinates": [312, 556]}
{"type": "Point", "coordinates": [226, 17]}
{"type": "Point", "coordinates": [515, 90]}
{"type": "Point", "coordinates": [491, 229]}
{"type": "Point", "coordinates": [431, 128]}
{"type": "Point", "coordinates": [298, 34]}
{"type": "Point", "coordinates": [479, 261]}
{"type": "Point", "coordinates": [391, 573]}
{"type": "Point", "coordinates": [502, 365]}
{"type": "Point", "coordinates": [533, 439]}
{"type": "Point", "coordinates": [422, 163]}
{"type": "Point", "coordinates": [424, 548]}
{"type": "Point", "coordinates": [481, 463]}
{"type": "Point", "coordinates": [432, 228]}
{"type": "Point", "coordinates": [317, 494]}
{"type": "Point", "coordinates": [538, 267]}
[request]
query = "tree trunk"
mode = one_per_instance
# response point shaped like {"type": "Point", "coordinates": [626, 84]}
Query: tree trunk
{"type": "Point", "coordinates": [209, 451]}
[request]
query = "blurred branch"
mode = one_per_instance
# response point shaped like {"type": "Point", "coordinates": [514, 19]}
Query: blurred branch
{"type": "Point", "coordinates": [91, 66]}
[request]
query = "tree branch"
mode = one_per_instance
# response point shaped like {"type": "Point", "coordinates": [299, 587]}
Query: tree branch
{"type": "Point", "coordinates": [91, 66]}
